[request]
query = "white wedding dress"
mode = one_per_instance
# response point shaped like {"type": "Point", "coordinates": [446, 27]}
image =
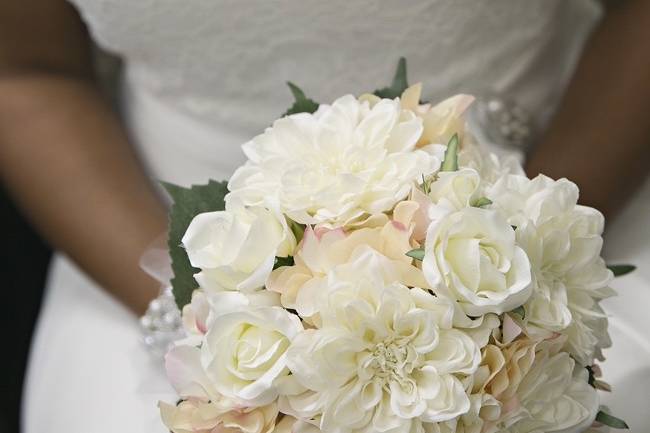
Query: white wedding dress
{"type": "Point", "coordinates": [203, 76]}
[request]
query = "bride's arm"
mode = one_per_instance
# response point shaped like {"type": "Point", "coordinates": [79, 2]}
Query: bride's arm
{"type": "Point", "coordinates": [600, 137]}
{"type": "Point", "coordinates": [63, 154]}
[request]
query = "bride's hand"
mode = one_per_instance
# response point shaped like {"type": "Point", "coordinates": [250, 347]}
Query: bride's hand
{"type": "Point", "coordinates": [65, 157]}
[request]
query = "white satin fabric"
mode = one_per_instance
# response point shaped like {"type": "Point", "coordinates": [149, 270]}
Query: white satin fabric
{"type": "Point", "coordinates": [203, 76]}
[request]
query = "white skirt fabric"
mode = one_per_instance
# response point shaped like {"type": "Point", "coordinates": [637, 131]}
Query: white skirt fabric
{"type": "Point", "coordinates": [89, 371]}
{"type": "Point", "coordinates": [627, 368]}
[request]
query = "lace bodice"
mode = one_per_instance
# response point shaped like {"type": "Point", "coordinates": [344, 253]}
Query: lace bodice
{"type": "Point", "coordinates": [226, 61]}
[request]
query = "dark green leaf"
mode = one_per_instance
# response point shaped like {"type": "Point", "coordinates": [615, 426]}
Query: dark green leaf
{"type": "Point", "coordinates": [303, 104]}
{"type": "Point", "coordinates": [592, 377]}
{"type": "Point", "coordinates": [417, 254]}
{"type": "Point", "coordinates": [450, 163]}
{"type": "Point", "coordinates": [620, 270]}
{"type": "Point", "coordinates": [188, 202]}
{"type": "Point", "coordinates": [400, 83]}
{"type": "Point", "coordinates": [611, 420]}
{"type": "Point", "coordinates": [481, 201]}
{"type": "Point", "coordinates": [520, 311]}
{"type": "Point", "coordinates": [283, 261]}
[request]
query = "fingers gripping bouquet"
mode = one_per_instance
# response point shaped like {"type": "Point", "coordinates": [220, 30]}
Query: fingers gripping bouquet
{"type": "Point", "coordinates": [371, 268]}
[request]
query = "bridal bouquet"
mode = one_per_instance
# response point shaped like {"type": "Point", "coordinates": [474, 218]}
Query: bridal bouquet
{"type": "Point", "coordinates": [371, 268]}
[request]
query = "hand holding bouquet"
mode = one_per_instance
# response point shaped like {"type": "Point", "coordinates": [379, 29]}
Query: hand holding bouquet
{"type": "Point", "coordinates": [371, 268]}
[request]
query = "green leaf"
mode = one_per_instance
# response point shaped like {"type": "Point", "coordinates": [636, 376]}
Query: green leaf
{"type": "Point", "coordinates": [297, 229]}
{"type": "Point", "coordinates": [450, 163]}
{"type": "Point", "coordinates": [400, 83]}
{"type": "Point", "coordinates": [188, 202]}
{"type": "Point", "coordinates": [520, 311]}
{"type": "Point", "coordinates": [611, 420]}
{"type": "Point", "coordinates": [592, 377]}
{"type": "Point", "coordinates": [303, 104]}
{"type": "Point", "coordinates": [620, 270]}
{"type": "Point", "coordinates": [283, 261]}
{"type": "Point", "coordinates": [417, 254]}
{"type": "Point", "coordinates": [481, 201]}
{"type": "Point", "coordinates": [427, 181]}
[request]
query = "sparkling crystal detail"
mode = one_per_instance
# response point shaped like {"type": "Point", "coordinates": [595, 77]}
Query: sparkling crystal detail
{"type": "Point", "coordinates": [504, 121]}
{"type": "Point", "coordinates": [161, 324]}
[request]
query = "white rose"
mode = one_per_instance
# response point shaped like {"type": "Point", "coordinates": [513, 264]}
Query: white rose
{"type": "Point", "coordinates": [244, 352]}
{"type": "Point", "coordinates": [188, 362]}
{"type": "Point", "coordinates": [197, 316]}
{"type": "Point", "coordinates": [236, 248]}
{"type": "Point", "coordinates": [345, 161]}
{"type": "Point", "coordinates": [383, 357]}
{"type": "Point", "coordinates": [471, 256]}
{"type": "Point", "coordinates": [455, 190]}
{"type": "Point", "coordinates": [449, 191]}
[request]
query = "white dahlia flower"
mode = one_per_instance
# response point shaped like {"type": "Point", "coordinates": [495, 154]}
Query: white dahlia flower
{"type": "Point", "coordinates": [345, 161]}
{"type": "Point", "coordinates": [384, 358]}
{"type": "Point", "coordinates": [563, 242]}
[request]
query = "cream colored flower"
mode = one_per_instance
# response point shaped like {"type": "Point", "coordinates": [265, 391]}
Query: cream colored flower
{"type": "Point", "coordinates": [196, 416]}
{"type": "Point", "coordinates": [471, 256]}
{"type": "Point", "coordinates": [446, 192]}
{"type": "Point", "coordinates": [489, 166]}
{"type": "Point", "coordinates": [542, 389]}
{"type": "Point", "coordinates": [382, 357]}
{"type": "Point", "coordinates": [342, 163]}
{"type": "Point", "coordinates": [289, 424]}
{"type": "Point", "coordinates": [322, 250]}
{"type": "Point", "coordinates": [563, 242]}
{"type": "Point", "coordinates": [485, 409]}
{"type": "Point", "coordinates": [195, 314]}
{"type": "Point", "coordinates": [455, 190]}
{"type": "Point", "coordinates": [441, 121]}
{"type": "Point", "coordinates": [236, 248]}
{"type": "Point", "coordinates": [507, 368]}
{"type": "Point", "coordinates": [243, 353]}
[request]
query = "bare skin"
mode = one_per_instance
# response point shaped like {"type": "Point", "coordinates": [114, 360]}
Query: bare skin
{"type": "Point", "coordinates": [600, 137]}
{"type": "Point", "coordinates": [65, 157]}
{"type": "Point", "coordinates": [67, 161]}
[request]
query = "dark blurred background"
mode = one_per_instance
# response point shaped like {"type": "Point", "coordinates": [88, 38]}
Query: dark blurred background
{"type": "Point", "coordinates": [24, 258]}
